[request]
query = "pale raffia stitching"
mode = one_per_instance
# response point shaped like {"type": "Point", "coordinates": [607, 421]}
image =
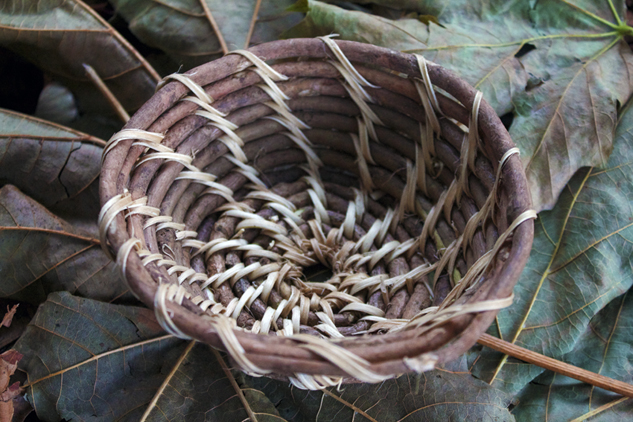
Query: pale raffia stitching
{"type": "Point", "coordinates": [196, 89]}
{"type": "Point", "coordinates": [469, 148]}
{"type": "Point", "coordinates": [261, 65]}
{"type": "Point", "coordinates": [352, 364]}
{"type": "Point", "coordinates": [183, 159]}
{"type": "Point", "coordinates": [164, 293]}
{"type": "Point", "coordinates": [481, 266]}
{"type": "Point", "coordinates": [108, 213]}
{"type": "Point", "coordinates": [428, 96]}
{"type": "Point", "coordinates": [206, 106]}
{"type": "Point", "coordinates": [354, 86]}
{"type": "Point", "coordinates": [217, 119]}
{"type": "Point", "coordinates": [363, 169]}
{"type": "Point", "coordinates": [152, 138]}
{"type": "Point", "coordinates": [367, 114]}
{"type": "Point", "coordinates": [343, 60]}
{"type": "Point", "coordinates": [488, 207]}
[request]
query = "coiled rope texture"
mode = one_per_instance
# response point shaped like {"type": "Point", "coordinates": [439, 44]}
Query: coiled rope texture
{"type": "Point", "coordinates": [381, 166]}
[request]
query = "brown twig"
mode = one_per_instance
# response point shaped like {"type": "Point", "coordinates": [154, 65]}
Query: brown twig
{"type": "Point", "coordinates": [103, 88]}
{"type": "Point", "coordinates": [214, 25]}
{"type": "Point", "coordinates": [251, 28]}
{"type": "Point", "coordinates": [556, 365]}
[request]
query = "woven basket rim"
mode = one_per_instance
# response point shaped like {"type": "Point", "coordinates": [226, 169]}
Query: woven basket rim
{"type": "Point", "coordinates": [389, 353]}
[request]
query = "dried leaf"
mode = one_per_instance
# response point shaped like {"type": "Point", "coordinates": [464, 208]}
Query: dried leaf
{"type": "Point", "coordinates": [21, 409]}
{"type": "Point", "coordinates": [564, 93]}
{"type": "Point", "coordinates": [8, 317]}
{"type": "Point", "coordinates": [581, 260]}
{"type": "Point", "coordinates": [198, 385]}
{"type": "Point", "coordinates": [20, 318]}
{"type": "Point", "coordinates": [41, 253]}
{"type": "Point", "coordinates": [431, 396]}
{"type": "Point", "coordinates": [55, 165]}
{"type": "Point", "coordinates": [605, 347]}
{"type": "Point", "coordinates": [8, 364]}
{"type": "Point", "coordinates": [196, 31]}
{"type": "Point", "coordinates": [88, 360]}
{"type": "Point", "coordinates": [60, 35]}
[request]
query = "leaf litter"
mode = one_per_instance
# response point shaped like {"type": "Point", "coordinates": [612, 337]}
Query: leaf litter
{"type": "Point", "coordinates": [557, 67]}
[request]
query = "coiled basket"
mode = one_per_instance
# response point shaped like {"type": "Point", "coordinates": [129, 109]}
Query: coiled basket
{"type": "Point", "coordinates": [324, 211]}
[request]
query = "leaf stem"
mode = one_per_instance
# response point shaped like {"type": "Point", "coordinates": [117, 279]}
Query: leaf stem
{"type": "Point", "coordinates": [80, 136]}
{"type": "Point", "coordinates": [600, 409]}
{"type": "Point", "coordinates": [168, 378]}
{"type": "Point", "coordinates": [557, 366]}
{"type": "Point", "coordinates": [517, 42]}
{"type": "Point", "coordinates": [251, 28]}
{"type": "Point", "coordinates": [592, 15]}
{"type": "Point", "coordinates": [608, 343]}
{"type": "Point", "coordinates": [50, 231]}
{"type": "Point", "coordinates": [115, 34]}
{"type": "Point", "coordinates": [238, 390]}
{"type": "Point", "coordinates": [214, 25]}
{"type": "Point", "coordinates": [615, 13]}
{"type": "Point", "coordinates": [97, 357]}
{"type": "Point", "coordinates": [345, 402]}
{"type": "Point", "coordinates": [105, 91]}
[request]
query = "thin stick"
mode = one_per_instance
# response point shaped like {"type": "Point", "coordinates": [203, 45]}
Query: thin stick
{"type": "Point", "coordinates": [97, 357]}
{"type": "Point", "coordinates": [214, 25]}
{"type": "Point", "coordinates": [236, 387]}
{"type": "Point", "coordinates": [556, 365]}
{"type": "Point", "coordinates": [348, 404]}
{"type": "Point", "coordinates": [51, 231]}
{"type": "Point", "coordinates": [600, 409]}
{"type": "Point", "coordinates": [251, 28]}
{"type": "Point", "coordinates": [103, 88]}
{"type": "Point", "coordinates": [120, 38]}
{"type": "Point", "coordinates": [165, 383]}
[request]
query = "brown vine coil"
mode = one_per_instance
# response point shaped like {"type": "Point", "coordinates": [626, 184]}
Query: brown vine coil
{"type": "Point", "coordinates": [239, 176]}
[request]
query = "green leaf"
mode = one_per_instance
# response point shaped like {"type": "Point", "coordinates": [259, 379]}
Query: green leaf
{"type": "Point", "coordinates": [41, 253]}
{"type": "Point", "coordinates": [88, 360]}
{"type": "Point", "coordinates": [605, 347]}
{"type": "Point", "coordinates": [580, 261]}
{"type": "Point", "coordinates": [60, 36]}
{"type": "Point", "coordinates": [564, 94]}
{"type": "Point", "coordinates": [196, 31]}
{"type": "Point", "coordinates": [201, 387]}
{"type": "Point", "coordinates": [54, 165]}
{"type": "Point", "coordinates": [432, 396]}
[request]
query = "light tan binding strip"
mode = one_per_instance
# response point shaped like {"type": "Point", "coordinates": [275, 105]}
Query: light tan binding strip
{"type": "Point", "coordinates": [184, 79]}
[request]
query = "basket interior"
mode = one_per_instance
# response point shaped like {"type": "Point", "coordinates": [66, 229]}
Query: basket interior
{"type": "Point", "coordinates": [314, 196]}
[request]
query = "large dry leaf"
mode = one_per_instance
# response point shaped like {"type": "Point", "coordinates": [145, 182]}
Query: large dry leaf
{"type": "Point", "coordinates": [564, 94]}
{"type": "Point", "coordinates": [54, 165]}
{"type": "Point", "coordinates": [582, 259]}
{"type": "Point", "coordinates": [431, 396]}
{"type": "Point", "coordinates": [200, 387]}
{"type": "Point", "coordinates": [605, 347]}
{"type": "Point", "coordinates": [41, 253]}
{"type": "Point", "coordinates": [196, 31]}
{"type": "Point", "coordinates": [60, 36]}
{"type": "Point", "coordinates": [88, 360]}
